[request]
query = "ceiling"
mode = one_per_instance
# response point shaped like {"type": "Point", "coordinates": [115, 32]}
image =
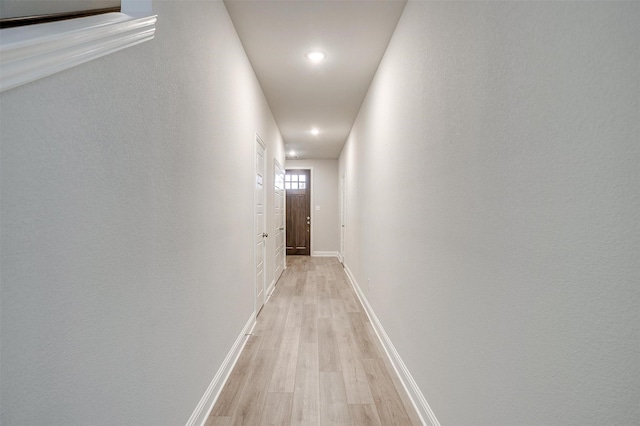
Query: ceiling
{"type": "Point", "coordinates": [276, 35]}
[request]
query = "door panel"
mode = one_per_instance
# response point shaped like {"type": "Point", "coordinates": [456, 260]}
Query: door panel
{"type": "Point", "coordinates": [260, 235]}
{"type": "Point", "coordinates": [297, 184]}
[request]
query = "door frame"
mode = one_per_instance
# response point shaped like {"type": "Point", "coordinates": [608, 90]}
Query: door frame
{"type": "Point", "coordinates": [311, 205]}
{"type": "Point", "coordinates": [258, 140]}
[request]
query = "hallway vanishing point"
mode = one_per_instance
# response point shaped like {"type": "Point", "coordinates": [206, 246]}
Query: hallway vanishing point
{"type": "Point", "coordinates": [313, 358]}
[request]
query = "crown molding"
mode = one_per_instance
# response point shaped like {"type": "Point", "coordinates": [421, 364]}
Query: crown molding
{"type": "Point", "coordinates": [32, 52]}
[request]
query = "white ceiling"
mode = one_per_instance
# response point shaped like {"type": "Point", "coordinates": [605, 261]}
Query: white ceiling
{"type": "Point", "coordinates": [277, 34]}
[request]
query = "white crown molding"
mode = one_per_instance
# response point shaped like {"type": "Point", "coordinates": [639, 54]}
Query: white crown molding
{"type": "Point", "coordinates": [410, 385]}
{"type": "Point", "coordinates": [35, 51]}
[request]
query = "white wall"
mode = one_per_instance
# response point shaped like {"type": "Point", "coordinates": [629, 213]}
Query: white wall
{"type": "Point", "coordinates": [127, 218]}
{"type": "Point", "coordinates": [325, 235]}
{"type": "Point", "coordinates": [493, 203]}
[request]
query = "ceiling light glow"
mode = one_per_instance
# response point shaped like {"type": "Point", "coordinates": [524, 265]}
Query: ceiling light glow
{"type": "Point", "coordinates": [292, 153]}
{"type": "Point", "coordinates": [315, 55]}
{"type": "Point", "coordinates": [314, 132]}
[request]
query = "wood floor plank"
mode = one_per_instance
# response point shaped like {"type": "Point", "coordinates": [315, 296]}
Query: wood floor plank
{"type": "Point", "coordinates": [310, 291]}
{"type": "Point", "coordinates": [408, 405]}
{"type": "Point", "coordinates": [324, 307]}
{"type": "Point", "coordinates": [334, 290]}
{"type": "Point", "coordinates": [355, 378]}
{"type": "Point", "coordinates": [294, 315]}
{"type": "Point", "coordinates": [299, 285]}
{"type": "Point", "coordinates": [218, 421]}
{"type": "Point", "coordinates": [329, 354]}
{"type": "Point", "coordinates": [321, 283]}
{"type": "Point", "coordinates": [253, 396]}
{"type": "Point", "coordinates": [337, 309]}
{"type": "Point", "coordinates": [226, 402]}
{"type": "Point", "coordinates": [280, 296]}
{"type": "Point", "coordinates": [334, 409]}
{"type": "Point", "coordinates": [350, 302]}
{"type": "Point", "coordinates": [364, 415]}
{"type": "Point", "coordinates": [309, 324]}
{"type": "Point", "coordinates": [391, 410]}
{"type": "Point", "coordinates": [272, 334]}
{"type": "Point", "coordinates": [304, 409]}
{"type": "Point", "coordinates": [380, 349]}
{"type": "Point", "coordinates": [267, 317]}
{"type": "Point", "coordinates": [364, 341]}
{"type": "Point", "coordinates": [284, 371]}
{"type": "Point", "coordinates": [277, 409]}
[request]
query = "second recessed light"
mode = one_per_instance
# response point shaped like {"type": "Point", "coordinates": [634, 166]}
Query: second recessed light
{"type": "Point", "coordinates": [315, 55]}
{"type": "Point", "coordinates": [314, 132]}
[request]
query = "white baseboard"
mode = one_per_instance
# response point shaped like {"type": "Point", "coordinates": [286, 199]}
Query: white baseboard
{"type": "Point", "coordinates": [415, 395]}
{"type": "Point", "coordinates": [204, 407]}
{"type": "Point", "coordinates": [325, 254]}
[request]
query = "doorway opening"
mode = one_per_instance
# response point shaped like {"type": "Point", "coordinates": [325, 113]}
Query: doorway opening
{"type": "Point", "coordinates": [298, 189]}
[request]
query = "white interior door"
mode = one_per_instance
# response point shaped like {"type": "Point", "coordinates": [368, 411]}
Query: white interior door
{"type": "Point", "coordinates": [279, 214]}
{"type": "Point", "coordinates": [260, 228]}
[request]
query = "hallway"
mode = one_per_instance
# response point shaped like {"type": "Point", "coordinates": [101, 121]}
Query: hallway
{"type": "Point", "coordinates": [480, 185]}
{"type": "Point", "coordinates": [313, 358]}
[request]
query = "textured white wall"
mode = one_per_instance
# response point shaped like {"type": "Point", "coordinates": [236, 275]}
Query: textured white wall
{"type": "Point", "coordinates": [493, 204]}
{"type": "Point", "coordinates": [326, 221]}
{"type": "Point", "coordinates": [127, 218]}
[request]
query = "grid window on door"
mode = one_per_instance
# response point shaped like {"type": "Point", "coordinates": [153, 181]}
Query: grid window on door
{"type": "Point", "coordinates": [293, 181]}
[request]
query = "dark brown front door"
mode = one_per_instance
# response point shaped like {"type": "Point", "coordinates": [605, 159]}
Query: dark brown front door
{"type": "Point", "coordinates": [297, 184]}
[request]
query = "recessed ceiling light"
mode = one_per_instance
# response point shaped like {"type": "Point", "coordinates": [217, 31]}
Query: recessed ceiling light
{"type": "Point", "coordinates": [315, 55]}
{"type": "Point", "coordinates": [292, 153]}
{"type": "Point", "coordinates": [314, 132]}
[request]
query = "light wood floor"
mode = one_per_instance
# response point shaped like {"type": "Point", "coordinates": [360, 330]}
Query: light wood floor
{"type": "Point", "coordinates": [313, 359]}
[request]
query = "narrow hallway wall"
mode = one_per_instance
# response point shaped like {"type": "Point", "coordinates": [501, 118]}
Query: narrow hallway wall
{"type": "Point", "coordinates": [492, 209]}
{"type": "Point", "coordinates": [127, 226]}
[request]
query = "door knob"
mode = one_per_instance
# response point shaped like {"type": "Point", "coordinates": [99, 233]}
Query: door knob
{"type": "Point", "coordinates": [265, 235]}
